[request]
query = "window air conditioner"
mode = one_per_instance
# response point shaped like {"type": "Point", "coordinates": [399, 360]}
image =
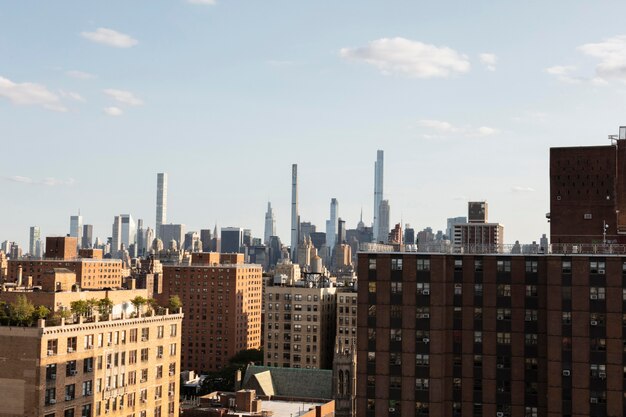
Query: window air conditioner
{"type": "Point", "coordinates": [566, 372]}
{"type": "Point", "coordinates": [500, 366]}
{"type": "Point", "coordinates": [593, 400]}
{"type": "Point", "coordinates": [602, 375]}
{"type": "Point", "coordinates": [52, 401]}
{"type": "Point", "coordinates": [50, 352]}
{"type": "Point", "coordinates": [392, 410]}
{"type": "Point", "coordinates": [426, 340]}
{"type": "Point", "coordinates": [601, 271]}
{"type": "Point", "coordinates": [426, 292]}
{"type": "Point", "coordinates": [499, 414]}
{"type": "Point", "coordinates": [593, 296]}
{"type": "Point", "coordinates": [500, 317]}
{"type": "Point", "coordinates": [594, 323]}
{"type": "Point", "coordinates": [70, 350]}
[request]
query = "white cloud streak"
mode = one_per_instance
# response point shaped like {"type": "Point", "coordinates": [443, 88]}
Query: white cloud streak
{"type": "Point", "coordinates": [489, 61]}
{"type": "Point", "coordinates": [81, 75]}
{"type": "Point", "coordinates": [520, 189]}
{"type": "Point", "coordinates": [439, 129]}
{"type": "Point", "coordinates": [125, 97]}
{"type": "Point", "coordinates": [113, 111]}
{"type": "Point", "coordinates": [30, 94]}
{"type": "Point", "coordinates": [409, 58]}
{"type": "Point", "coordinates": [48, 181]}
{"type": "Point", "coordinates": [204, 2]}
{"type": "Point", "coordinates": [563, 73]}
{"type": "Point", "coordinates": [110, 37]}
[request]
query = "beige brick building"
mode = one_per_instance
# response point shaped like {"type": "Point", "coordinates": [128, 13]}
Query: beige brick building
{"type": "Point", "coordinates": [221, 299]}
{"type": "Point", "coordinates": [300, 325]}
{"type": "Point", "coordinates": [346, 318]}
{"type": "Point", "coordinates": [117, 367]}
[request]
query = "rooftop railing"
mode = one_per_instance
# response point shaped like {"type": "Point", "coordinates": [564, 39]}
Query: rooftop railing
{"type": "Point", "coordinates": [508, 249]}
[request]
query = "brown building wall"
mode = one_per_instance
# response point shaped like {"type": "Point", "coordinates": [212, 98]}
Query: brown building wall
{"type": "Point", "coordinates": [63, 247]}
{"type": "Point", "coordinates": [222, 306]}
{"type": "Point", "coordinates": [90, 273]}
{"type": "Point", "coordinates": [508, 335]}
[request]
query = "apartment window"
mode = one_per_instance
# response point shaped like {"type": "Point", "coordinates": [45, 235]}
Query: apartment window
{"type": "Point", "coordinates": [71, 344]}
{"type": "Point", "coordinates": [458, 264]}
{"type": "Point", "coordinates": [478, 337]}
{"type": "Point", "coordinates": [371, 357]}
{"type": "Point", "coordinates": [530, 315]}
{"type": "Point", "coordinates": [69, 412]}
{"type": "Point", "coordinates": [85, 410]}
{"type": "Point", "coordinates": [504, 290]}
{"type": "Point", "coordinates": [372, 263]}
{"type": "Point", "coordinates": [371, 381]}
{"type": "Point", "coordinates": [395, 358]}
{"type": "Point", "coordinates": [53, 345]}
{"type": "Point", "coordinates": [503, 338]}
{"type": "Point", "coordinates": [503, 314]}
{"type": "Point", "coordinates": [172, 349]}
{"type": "Point", "coordinates": [396, 264]}
{"type": "Point", "coordinates": [132, 378]}
{"type": "Point", "coordinates": [478, 290]}
{"type": "Point", "coordinates": [88, 341]}
{"type": "Point", "coordinates": [172, 369]}
{"type": "Point", "coordinates": [503, 265]}
{"type": "Point", "coordinates": [144, 375]}
{"type": "Point", "coordinates": [422, 360]}
{"type": "Point", "coordinates": [421, 384]}
{"type": "Point", "coordinates": [395, 382]}
{"type": "Point", "coordinates": [531, 291]}
{"type": "Point", "coordinates": [423, 264]}
{"type": "Point", "coordinates": [396, 335]}
{"type": "Point", "coordinates": [423, 288]}
{"type": "Point", "coordinates": [531, 266]}
{"type": "Point", "coordinates": [531, 412]}
{"type": "Point", "coordinates": [478, 360]}
{"type": "Point", "coordinates": [51, 371]}
{"type": "Point", "coordinates": [531, 364]}
{"type": "Point", "coordinates": [458, 289]}
{"type": "Point", "coordinates": [132, 357]}
{"type": "Point", "coordinates": [478, 265]}
{"type": "Point", "coordinates": [371, 287]}
{"type": "Point", "coordinates": [597, 371]}
{"type": "Point", "coordinates": [597, 293]}
{"type": "Point", "coordinates": [144, 354]}
{"type": "Point", "coordinates": [70, 392]}
{"type": "Point", "coordinates": [87, 388]}
{"type": "Point", "coordinates": [566, 317]}
{"type": "Point", "coordinates": [145, 334]}
{"type": "Point", "coordinates": [371, 334]}
{"type": "Point", "coordinates": [597, 267]}
{"type": "Point", "coordinates": [51, 396]}
{"type": "Point", "coordinates": [70, 368]}
{"type": "Point", "coordinates": [566, 267]}
{"type": "Point", "coordinates": [478, 312]}
{"type": "Point", "coordinates": [172, 330]}
{"type": "Point", "coordinates": [530, 339]}
{"type": "Point", "coordinates": [396, 311]}
{"type": "Point", "coordinates": [396, 287]}
{"type": "Point", "coordinates": [160, 331]}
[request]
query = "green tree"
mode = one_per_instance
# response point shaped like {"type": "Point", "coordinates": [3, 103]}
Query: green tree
{"type": "Point", "coordinates": [105, 305]}
{"type": "Point", "coordinates": [174, 303]}
{"type": "Point", "coordinates": [21, 311]}
{"type": "Point", "coordinates": [41, 312]}
{"type": "Point", "coordinates": [138, 303]}
{"type": "Point", "coordinates": [80, 307]}
{"type": "Point", "coordinates": [92, 303]}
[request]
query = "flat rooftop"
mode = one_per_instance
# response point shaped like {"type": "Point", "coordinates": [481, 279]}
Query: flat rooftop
{"type": "Point", "coordinates": [281, 408]}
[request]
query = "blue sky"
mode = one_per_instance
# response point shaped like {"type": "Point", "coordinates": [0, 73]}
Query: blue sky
{"type": "Point", "coordinates": [464, 97]}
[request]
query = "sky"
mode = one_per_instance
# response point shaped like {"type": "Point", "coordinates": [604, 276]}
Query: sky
{"type": "Point", "coordinates": [465, 98]}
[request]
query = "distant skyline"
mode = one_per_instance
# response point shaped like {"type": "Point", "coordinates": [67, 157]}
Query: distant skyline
{"type": "Point", "coordinates": [464, 98]}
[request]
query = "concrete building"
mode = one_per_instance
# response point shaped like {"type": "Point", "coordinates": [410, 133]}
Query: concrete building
{"type": "Point", "coordinates": [492, 335]}
{"type": "Point", "coordinates": [331, 224]}
{"type": "Point", "coordinates": [221, 299]}
{"type": "Point", "coordinates": [300, 324]}
{"type": "Point", "coordinates": [34, 237]}
{"type": "Point", "coordinates": [118, 365]}
{"type": "Point", "coordinates": [76, 227]}
{"type": "Point", "coordinates": [478, 232]}
{"type": "Point", "coordinates": [205, 238]}
{"type": "Point", "coordinates": [384, 213]}
{"type": "Point", "coordinates": [378, 195]}
{"type": "Point", "coordinates": [172, 232]}
{"type": "Point", "coordinates": [161, 203]}
{"type": "Point", "coordinates": [87, 238]}
{"type": "Point", "coordinates": [295, 217]}
{"type": "Point", "coordinates": [451, 222]}
{"type": "Point", "coordinates": [232, 239]}
{"type": "Point", "coordinates": [270, 224]}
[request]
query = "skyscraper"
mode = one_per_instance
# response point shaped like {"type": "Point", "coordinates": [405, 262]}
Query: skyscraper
{"type": "Point", "coordinates": [87, 240]}
{"type": "Point", "coordinates": [129, 230]}
{"type": "Point", "coordinates": [331, 224]}
{"type": "Point", "coordinates": [270, 224]}
{"type": "Point", "coordinates": [232, 239]}
{"type": "Point", "coordinates": [76, 227]}
{"type": "Point", "coordinates": [378, 196]}
{"type": "Point", "coordinates": [383, 221]}
{"type": "Point", "coordinates": [116, 236]}
{"type": "Point", "coordinates": [161, 203]}
{"type": "Point", "coordinates": [35, 235]}
{"type": "Point", "coordinates": [294, 212]}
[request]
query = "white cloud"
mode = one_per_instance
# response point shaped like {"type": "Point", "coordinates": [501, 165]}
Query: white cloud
{"type": "Point", "coordinates": [110, 37]}
{"type": "Point", "coordinates": [30, 94]}
{"type": "Point", "coordinates": [113, 111]}
{"type": "Point", "coordinates": [48, 181]}
{"type": "Point", "coordinates": [409, 58]}
{"type": "Point", "coordinates": [122, 96]}
{"type": "Point", "coordinates": [520, 189]}
{"type": "Point", "coordinates": [81, 75]}
{"type": "Point", "coordinates": [71, 95]}
{"type": "Point", "coordinates": [440, 129]}
{"type": "Point", "coordinates": [563, 73]}
{"type": "Point", "coordinates": [612, 55]}
{"type": "Point", "coordinates": [207, 2]}
{"type": "Point", "coordinates": [489, 61]}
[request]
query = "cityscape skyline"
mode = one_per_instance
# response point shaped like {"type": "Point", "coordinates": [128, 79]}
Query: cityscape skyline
{"type": "Point", "coordinates": [475, 102]}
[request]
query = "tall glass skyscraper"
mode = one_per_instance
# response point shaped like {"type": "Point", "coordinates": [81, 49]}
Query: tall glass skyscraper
{"type": "Point", "coordinates": [161, 203]}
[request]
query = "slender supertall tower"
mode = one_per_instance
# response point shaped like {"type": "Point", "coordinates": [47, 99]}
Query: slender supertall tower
{"type": "Point", "coordinates": [161, 203]}
{"type": "Point", "coordinates": [270, 224]}
{"type": "Point", "coordinates": [294, 212]}
{"type": "Point", "coordinates": [378, 192]}
{"type": "Point", "coordinates": [331, 225]}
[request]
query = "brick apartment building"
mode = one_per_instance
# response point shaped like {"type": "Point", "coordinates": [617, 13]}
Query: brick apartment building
{"type": "Point", "coordinates": [491, 335]}
{"type": "Point", "coordinates": [588, 193]}
{"type": "Point", "coordinates": [221, 299]}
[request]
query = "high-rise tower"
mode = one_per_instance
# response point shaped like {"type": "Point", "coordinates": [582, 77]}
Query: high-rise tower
{"type": "Point", "coordinates": [383, 221]}
{"type": "Point", "coordinates": [270, 224]}
{"type": "Point", "coordinates": [35, 235]}
{"type": "Point", "coordinates": [161, 203]}
{"type": "Point", "coordinates": [294, 212]}
{"type": "Point", "coordinates": [76, 227]}
{"type": "Point", "coordinates": [378, 193]}
{"type": "Point", "coordinates": [331, 224]}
